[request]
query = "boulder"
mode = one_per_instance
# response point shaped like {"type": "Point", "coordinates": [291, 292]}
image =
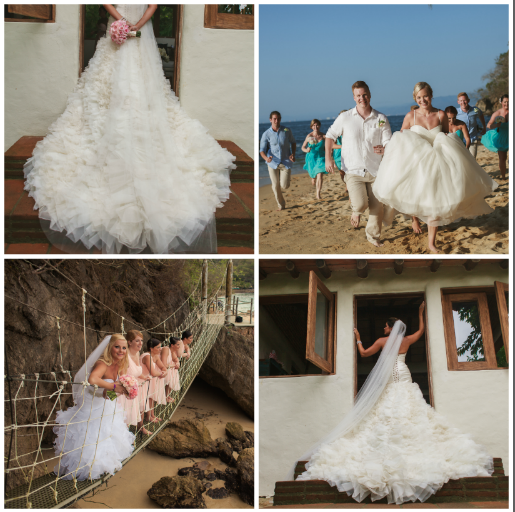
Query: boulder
{"type": "Point", "coordinates": [178, 492]}
{"type": "Point", "coordinates": [184, 438]}
{"type": "Point", "coordinates": [234, 430]}
{"type": "Point", "coordinates": [224, 452]}
{"type": "Point", "coordinates": [218, 493]}
{"type": "Point", "coordinates": [230, 366]}
{"type": "Point", "coordinates": [245, 469]}
{"type": "Point", "coordinates": [194, 472]}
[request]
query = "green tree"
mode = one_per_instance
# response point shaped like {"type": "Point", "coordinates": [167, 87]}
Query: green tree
{"type": "Point", "coordinates": [469, 313]}
{"type": "Point", "coordinates": [498, 80]}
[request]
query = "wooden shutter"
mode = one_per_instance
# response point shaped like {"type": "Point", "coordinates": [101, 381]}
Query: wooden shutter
{"type": "Point", "coordinates": [500, 290]}
{"type": "Point", "coordinates": [41, 12]}
{"type": "Point", "coordinates": [324, 363]}
{"type": "Point", "coordinates": [215, 19]}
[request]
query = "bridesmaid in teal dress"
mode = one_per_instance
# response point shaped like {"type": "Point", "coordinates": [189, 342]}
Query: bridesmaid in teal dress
{"type": "Point", "coordinates": [456, 126]}
{"type": "Point", "coordinates": [314, 147]}
{"type": "Point", "coordinates": [497, 138]}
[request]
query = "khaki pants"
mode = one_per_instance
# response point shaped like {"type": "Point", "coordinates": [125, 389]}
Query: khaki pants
{"type": "Point", "coordinates": [473, 148]}
{"type": "Point", "coordinates": [280, 178]}
{"type": "Point", "coordinates": [362, 197]}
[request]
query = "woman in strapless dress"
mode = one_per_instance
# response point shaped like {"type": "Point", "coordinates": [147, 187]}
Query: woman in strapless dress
{"type": "Point", "coordinates": [429, 175]}
{"type": "Point", "coordinates": [402, 449]}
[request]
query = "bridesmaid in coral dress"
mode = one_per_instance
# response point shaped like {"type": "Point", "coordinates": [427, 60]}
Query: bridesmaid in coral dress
{"type": "Point", "coordinates": [155, 395]}
{"type": "Point", "coordinates": [170, 359]}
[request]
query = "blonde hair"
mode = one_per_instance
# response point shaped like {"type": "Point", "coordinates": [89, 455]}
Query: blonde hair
{"type": "Point", "coordinates": [107, 358]}
{"type": "Point", "coordinates": [360, 85]}
{"type": "Point", "coordinates": [315, 121]}
{"type": "Point", "coordinates": [463, 94]}
{"type": "Point", "coordinates": [419, 87]}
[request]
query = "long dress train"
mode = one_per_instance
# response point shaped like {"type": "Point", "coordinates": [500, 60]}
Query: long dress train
{"type": "Point", "coordinates": [92, 437]}
{"type": "Point", "coordinates": [124, 168]}
{"type": "Point", "coordinates": [403, 449]}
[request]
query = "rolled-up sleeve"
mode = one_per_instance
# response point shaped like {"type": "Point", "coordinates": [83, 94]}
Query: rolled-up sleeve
{"type": "Point", "coordinates": [336, 129]}
{"type": "Point", "coordinates": [264, 143]}
{"type": "Point", "coordinates": [386, 132]}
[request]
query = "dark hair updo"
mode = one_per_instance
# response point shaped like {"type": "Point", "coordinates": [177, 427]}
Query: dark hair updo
{"type": "Point", "coordinates": [451, 110]}
{"type": "Point", "coordinates": [174, 340]}
{"type": "Point", "coordinates": [391, 321]}
{"type": "Point", "coordinates": [186, 334]}
{"type": "Point", "coordinates": [152, 343]}
{"type": "Point", "coordinates": [504, 96]}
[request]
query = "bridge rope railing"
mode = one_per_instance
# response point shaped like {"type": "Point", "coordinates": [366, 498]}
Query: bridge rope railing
{"type": "Point", "coordinates": [46, 489]}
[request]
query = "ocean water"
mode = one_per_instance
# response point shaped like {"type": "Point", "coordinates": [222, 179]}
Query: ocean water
{"type": "Point", "coordinates": [300, 129]}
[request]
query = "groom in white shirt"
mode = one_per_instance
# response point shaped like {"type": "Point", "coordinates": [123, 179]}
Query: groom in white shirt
{"type": "Point", "coordinates": [365, 133]}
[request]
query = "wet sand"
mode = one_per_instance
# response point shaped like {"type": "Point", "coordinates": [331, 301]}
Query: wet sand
{"type": "Point", "coordinates": [128, 488]}
{"type": "Point", "coordinates": [311, 226]}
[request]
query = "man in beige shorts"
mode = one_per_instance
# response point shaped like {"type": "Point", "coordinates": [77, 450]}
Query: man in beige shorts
{"type": "Point", "coordinates": [365, 133]}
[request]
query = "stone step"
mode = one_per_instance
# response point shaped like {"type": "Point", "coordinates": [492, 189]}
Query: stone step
{"type": "Point", "coordinates": [16, 156]}
{"type": "Point", "coordinates": [473, 489]}
{"type": "Point", "coordinates": [234, 221]}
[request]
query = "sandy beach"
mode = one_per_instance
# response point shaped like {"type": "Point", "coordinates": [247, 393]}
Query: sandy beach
{"type": "Point", "coordinates": [311, 226]}
{"type": "Point", "coordinates": [128, 488]}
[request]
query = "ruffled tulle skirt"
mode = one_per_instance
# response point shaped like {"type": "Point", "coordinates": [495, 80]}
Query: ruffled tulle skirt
{"type": "Point", "coordinates": [92, 439]}
{"type": "Point", "coordinates": [124, 168]}
{"type": "Point", "coordinates": [403, 450]}
{"type": "Point", "coordinates": [438, 181]}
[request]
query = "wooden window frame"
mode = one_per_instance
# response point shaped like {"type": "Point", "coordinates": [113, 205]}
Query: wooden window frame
{"type": "Point", "coordinates": [24, 9]}
{"type": "Point", "coordinates": [215, 19]}
{"type": "Point", "coordinates": [453, 364]}
{"type": "Point", "coordinates": [327, 364]}
{"type": "Point", "coordinates": [304, 299]}
{"type": "Point", "coordinates": [428, 351]}
{"type": "Point", "coordinates": [500, 290]}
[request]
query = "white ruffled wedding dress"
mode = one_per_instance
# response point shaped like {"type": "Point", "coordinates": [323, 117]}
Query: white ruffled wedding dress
{"type": "Point", "coordinates": [92, 437]}
{"type": "Point", "coordinates": [124, 168]}
{"type": "Point", "coordinates": [403, 449]}
{"type": "Point", "coordinates": [432, 176]}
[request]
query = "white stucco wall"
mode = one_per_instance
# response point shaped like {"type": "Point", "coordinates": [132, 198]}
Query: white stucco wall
{"type": "Point", "coordinates": [295, 412]}
{"type": "Point", "coordinates": [41, 69]}
{"type": "Point", "coordinates": [217, 78]}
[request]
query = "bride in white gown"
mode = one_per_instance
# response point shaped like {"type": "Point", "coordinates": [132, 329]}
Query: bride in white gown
{"type": "Point", "coordinates": [124, 167]}
{"type": "Point", "coordinates": [429, 174]}
{"type": "Point", "coordinates": [392, 443]}
{"type": "Point", "coordinates": [92, 437]}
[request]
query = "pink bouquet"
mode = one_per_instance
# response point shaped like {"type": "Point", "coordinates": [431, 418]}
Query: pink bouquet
{"type": "Point", "coordinates": [129, 383]}
{"type": "Point", "coordinates": [119, 32]}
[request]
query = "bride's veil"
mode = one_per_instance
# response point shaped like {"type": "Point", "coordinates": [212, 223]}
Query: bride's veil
{"type": "Point", "coordinates": [368, 394]}
{"type": "Point", "coordinates": [85, 370]}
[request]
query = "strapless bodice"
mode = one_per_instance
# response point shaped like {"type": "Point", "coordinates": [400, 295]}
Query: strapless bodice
{"type": "Point", "coordinates": [400, 372]}
{"type": "Point", "coordinates": [429, 135]}
{"type": "Point", "coordinates": [131, 12]}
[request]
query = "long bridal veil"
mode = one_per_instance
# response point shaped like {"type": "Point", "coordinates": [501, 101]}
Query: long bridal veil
{"type": "Point", "coordinates": [368, 395]}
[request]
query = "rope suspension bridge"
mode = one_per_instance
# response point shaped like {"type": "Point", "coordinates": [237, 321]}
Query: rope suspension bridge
{"type": "Point", "coordinates": [39, 486]}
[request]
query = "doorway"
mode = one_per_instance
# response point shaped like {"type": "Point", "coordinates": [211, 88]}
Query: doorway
{"type": "Point", "coordinates": [167, 25]}
{"type": "Point", "coordinates": [370, 315]}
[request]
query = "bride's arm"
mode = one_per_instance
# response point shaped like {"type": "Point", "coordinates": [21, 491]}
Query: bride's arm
{"type": "Point", "coordinates": [408, 122]}
{"type": "Point", "coordinates": [421, 328]}
{"type": "Point", "coordinates": [466, 135]}
{"type": "Point", "coordinates": [146, 16]}
{"type": "Point", "coordinates": [112, 11]}
{"type": "Point", "coordinates": [95, 378]}
{"type": "Point", "coordinates": [445, 121]}
{"type": "Point", "coordinates": [370, 351]}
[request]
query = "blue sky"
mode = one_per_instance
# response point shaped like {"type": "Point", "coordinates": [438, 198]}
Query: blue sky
{"type": "Point", "coordinates": [310, 55]}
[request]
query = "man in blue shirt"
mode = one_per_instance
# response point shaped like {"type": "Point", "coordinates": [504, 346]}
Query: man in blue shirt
{"type": "Point", "coordinates": [470, 116]}
{"type": "Point", "coordinates": [277, 148]}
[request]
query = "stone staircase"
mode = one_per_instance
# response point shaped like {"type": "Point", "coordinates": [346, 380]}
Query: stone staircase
{"type": "Point", "coordinates": [24, 234]}
{"type": "Point", "coordinates": [315, 492]}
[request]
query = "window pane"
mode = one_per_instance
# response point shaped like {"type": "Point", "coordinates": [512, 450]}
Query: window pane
{"type": "Point", "coordinates": [235, 9]}
{"type": "Point", "coordinates": [467, 330]}
{"type": "Point", "coordinates": [321, 325]}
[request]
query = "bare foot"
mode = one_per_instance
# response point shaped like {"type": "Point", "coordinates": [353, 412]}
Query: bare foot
{"type": "Point", "coordinates": [170, 400]}
{"type": "Point", "coordinates": [376, 243]}
{"type": "Point", "coordinates": [354, 220]}
{"type": "Point", "coordinates": [281, 208]}
{"type": "Point", "coordinates": [145, 432]}
{"type": "Point", "coordinates": [416, 226]}
{"type": "Point", "coordinates": [319, 196]}
{"type": "Point", "coordinates": [154, 420]}
{"type": "Point", "coordinates": [433, 249]}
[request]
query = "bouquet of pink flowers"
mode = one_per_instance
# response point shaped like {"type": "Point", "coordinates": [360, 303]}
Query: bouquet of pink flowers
{"type": "Point", "coordinates": [129, 383]}
{"type": "Point", "coordinates": [119, 32]}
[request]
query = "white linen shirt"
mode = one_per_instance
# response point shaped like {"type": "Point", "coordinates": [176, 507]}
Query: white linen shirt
{"type": "Point", "coordinates": [359, 136]}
